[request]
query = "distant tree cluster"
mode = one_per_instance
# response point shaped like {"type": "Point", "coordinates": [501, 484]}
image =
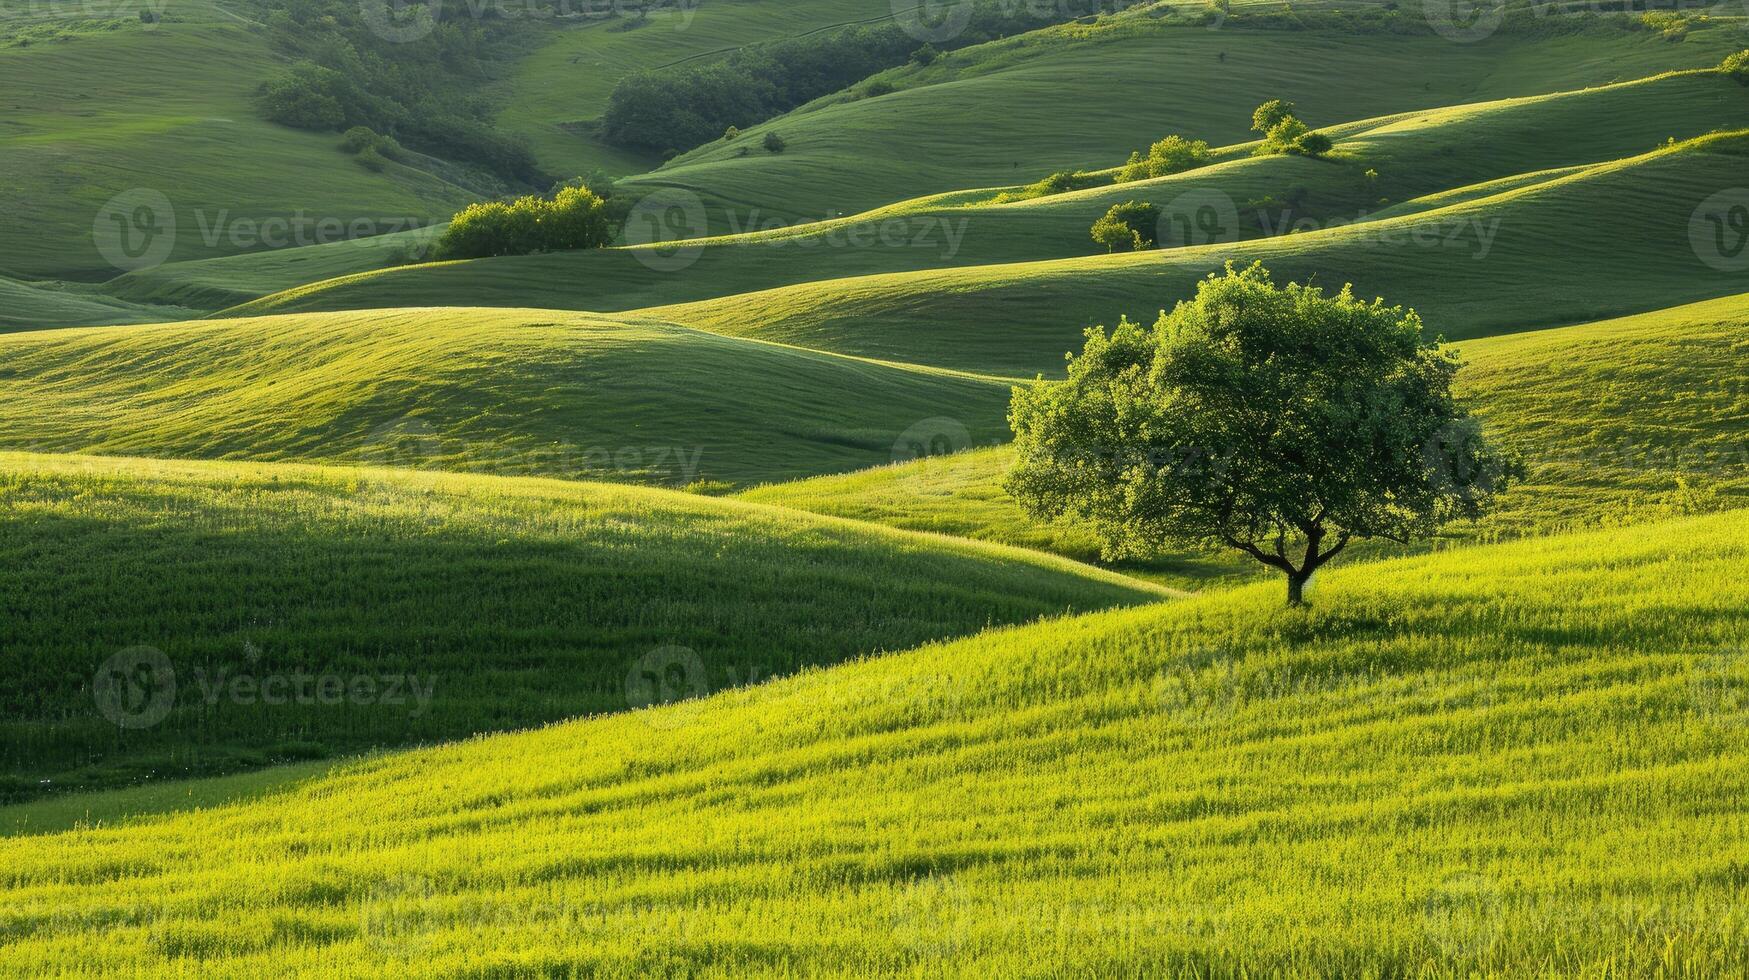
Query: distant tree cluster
{"type": "Point", "coordinates": [372, 149]}
{"type": "Point", "coordinates": [1128, 227]}
{"type": "Point", "coordinates": [419, 90]}
{"type": "Point", "coordinates": [1283, 132]}
{"type": "Point", "coordinates": [574, 217]}
{"type": "Point", "coordinates": [675, 109]}
{"type": "Point", "coordinates": [1172, 155]}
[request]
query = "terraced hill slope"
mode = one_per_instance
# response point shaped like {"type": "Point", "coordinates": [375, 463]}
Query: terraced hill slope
{"type": "Point", "coordinates": [294, 610]}
{"type": "Point", "coordinates": [1210, 786]}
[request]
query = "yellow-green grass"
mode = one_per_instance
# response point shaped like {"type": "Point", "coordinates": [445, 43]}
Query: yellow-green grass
{"type": "Point", "coordinates": [554, 92]}
{"type": "Point", "coordinates": [1618, 422]}
{"type": "Point", "coordinates": [1519, 760]}
{"type": "Point", "coordinates": [460, 603]}
{"type": "Point", "coordinates": [1083, 97]}
{"type": "Point", "coordinates": [168, 107]}
{"type": "Point", "coordinates": [1435, 158]}
{"type": "Point", "coordinates": [1515, 260]}
{"type": "Point", "coordinates": [528, 392]}
{"type": "Point", "coordinates": [68, 811]}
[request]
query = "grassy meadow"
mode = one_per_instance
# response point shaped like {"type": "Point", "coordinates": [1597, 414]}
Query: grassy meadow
{"type": "Point", "coordinates": [491, 604]}
{"type": "Point", "coordinates": [1426, 775]}
{"type": "Point", "coordinates": [660, 609]}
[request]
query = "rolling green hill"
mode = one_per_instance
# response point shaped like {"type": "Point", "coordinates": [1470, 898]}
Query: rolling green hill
{"type": "Point", "coordinates": [1619, 421]}
{"type": "Point", "coordinates": [1458, 765]}
{"type": "Point", "coordinates": [1510, 261]}
{"type": "Point", "coordinates": [464, 603]}
{"type": "Point", "coordinates": [179, 121]}
{"type": "Point", "coordinates": [34, 305]}
{"type": "Point", "coordinates": [505, 391]}
{"type": "Point", "coordinates": [557, 91]}
{"type": "Point", "coordinates": [1082, 96]}
{"type": "Point", "coordinates": [1417, 162]}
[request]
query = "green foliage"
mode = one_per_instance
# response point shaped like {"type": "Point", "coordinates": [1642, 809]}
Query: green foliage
{"type": "Point", "coordinates": [773, 143]}
{"type": "Point", "coordinates": [1172, 155]}
{"type": "Point", "coordinates": [573, 218]}
{"type": "Point", "coordinates": [422, 90]}
{"type": "Point", "coordinates": [1269, 420]}
{"type": "Point", "coordinates": [1128, 227]}
{"type": "Point", "coordinates": [1061, 182]}
{"type": "Point", "coordinates": [1737, 67]}
{"type": "Point", "coordinates": [1270, 115]}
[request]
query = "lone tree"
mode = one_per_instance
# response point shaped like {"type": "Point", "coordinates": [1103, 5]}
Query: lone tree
{"type": "Point", "coordinates": [1279, 422]}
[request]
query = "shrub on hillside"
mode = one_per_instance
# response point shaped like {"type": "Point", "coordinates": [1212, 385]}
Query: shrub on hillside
{"type": "Point", "coordinates": [1128, 227]}
{"type": "Point", "coordinates": [1172, 155]}
{"type": "Point", "coordinates": [1060, 182]}
{"type": "Point", "coordinates": [1283, 132]}
{"type": "Point", "coordinates": [774, 143]}
{"type": "Point", "coordinates": [573, 218]}
{"type": "Point", "coordinates": [1737, 66]}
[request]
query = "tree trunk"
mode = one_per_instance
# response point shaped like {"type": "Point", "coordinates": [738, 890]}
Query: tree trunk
{"type": "Point", "coordinates": [1296, 589]}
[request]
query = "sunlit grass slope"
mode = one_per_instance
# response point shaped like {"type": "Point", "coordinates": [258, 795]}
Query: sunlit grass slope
{"type": "Point", "coordinates": [1084, 96]}
{"type": "Point", "coordinates": [1410, 158]}
{"type": "Point", "coordinates": [1518, 259]}
{"type": "Point", "coordinates": [557, 91]}
{"type": "Point", "coordinates": [501, 602]}
{"type": "Point", "coordinates": [168, 107]}
{"type": "Point", "coordinates": [1624, 420]}
{"type": "Point", "coordinates": [1522, 760]}
{"type": "Point", "coordinates": [505, 391]}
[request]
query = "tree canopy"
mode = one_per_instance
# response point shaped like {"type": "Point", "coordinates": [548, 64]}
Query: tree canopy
{"type": "Point", "coordinates": [1276, 421]}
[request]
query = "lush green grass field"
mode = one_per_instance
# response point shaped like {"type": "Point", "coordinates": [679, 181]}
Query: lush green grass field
{"type": "Point", "coordinates": [1418, 162]}
{"type": "Point", "coordinates": [1617, 422]}
{"type": "Point", "coordinates": [34, 305]}
{"type": "Point", "coordinates": [1511, 261]}
{"type": "Point", "coordinates": [167, 107]}
{"type": "Point", "coordinates": [505, 391]}
{"type": "Point", "coordinates": [1085, 96]}
{"type": "Point", "coordinates": [490, 603]}
{"type": "Point", "coordinates": [1517, 760]}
